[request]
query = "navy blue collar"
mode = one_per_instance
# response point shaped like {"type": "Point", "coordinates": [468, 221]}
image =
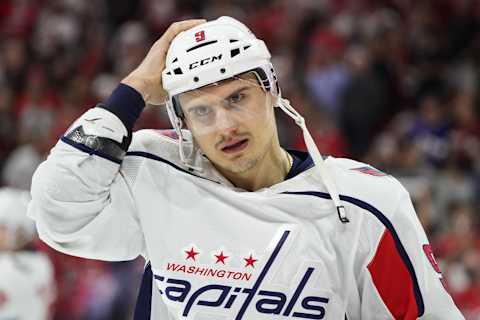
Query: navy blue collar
{"type": "Point", "coordinates": [301, 162]}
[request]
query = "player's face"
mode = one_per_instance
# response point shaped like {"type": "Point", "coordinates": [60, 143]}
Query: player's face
{"type": "Point", "coordinates": [232, 122]}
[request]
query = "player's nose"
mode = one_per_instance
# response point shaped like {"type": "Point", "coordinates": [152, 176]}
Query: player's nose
{"type": "Point", "coordinates": [226, 121]}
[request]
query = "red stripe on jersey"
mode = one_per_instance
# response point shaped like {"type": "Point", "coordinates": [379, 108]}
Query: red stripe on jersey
{"type": "Point", "coordinates": [392, 279]}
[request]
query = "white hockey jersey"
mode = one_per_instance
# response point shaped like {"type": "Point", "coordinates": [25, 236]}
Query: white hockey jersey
{"type": "Point", "coordinates": [217, 252]}
{"type": "Point", "coordinates": [27, 288]}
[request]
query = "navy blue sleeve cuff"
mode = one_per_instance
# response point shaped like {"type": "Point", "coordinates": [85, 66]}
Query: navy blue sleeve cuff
{"type": "Point", "coordinates": [126, 103]}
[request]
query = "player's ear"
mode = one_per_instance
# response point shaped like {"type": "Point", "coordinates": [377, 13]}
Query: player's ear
{"type": "Point", "coordinates": [271, 100]}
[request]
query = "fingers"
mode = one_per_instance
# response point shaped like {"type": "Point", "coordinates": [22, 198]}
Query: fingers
{"type": "Point", "coordinates": [146, 78]}
{"type": "Point", "coordinates": [177, 27]}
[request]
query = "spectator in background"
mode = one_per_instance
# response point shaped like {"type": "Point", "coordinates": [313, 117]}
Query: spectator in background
{"type": "Point", "coordinates": [363, 102]}
{"type": "Point", "coordinates": [34, 113]}
{"type": "Point", "coordinates": [431, 129]}
{"type": "Point", "coordinates": [465, 137]}
{"type": "Point", "coordinates": [460, 249]}
{"type": "Point", "coordinates": [57, 29]}
{"type": "Point", "coordinates": [14, 67]}
{"type": "Point", "coordinates": [17, 18]}
{"type": "Point", "coordinates": [21, 163]}
{"type": "Point", "coordinates": [373, 92]}
{"type": "Point", "coordinates": [128, 47]}
{"type": "Point", "coordinates": [7, 123]}
{"type": "Point", "coordinates": [326, 75]}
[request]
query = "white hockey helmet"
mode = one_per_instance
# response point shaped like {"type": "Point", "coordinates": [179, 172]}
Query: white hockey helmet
{"type": "Point", "coordinates": [214, 51]}
{"type": "Point", "coordinates": [14, 222]}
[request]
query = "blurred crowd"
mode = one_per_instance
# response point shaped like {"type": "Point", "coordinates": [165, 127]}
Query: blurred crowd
{"type": "Point", "coordinates": [391, 83]}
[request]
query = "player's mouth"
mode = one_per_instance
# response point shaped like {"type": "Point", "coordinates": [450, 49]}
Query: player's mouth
{"type": "Point", "coordinates": [235, 146]}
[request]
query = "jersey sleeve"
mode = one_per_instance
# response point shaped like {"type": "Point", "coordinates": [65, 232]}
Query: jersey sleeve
{"type": "Point", "coordinates": [81, 198]}
{"type": "Point", "coordinates": [402, 279]}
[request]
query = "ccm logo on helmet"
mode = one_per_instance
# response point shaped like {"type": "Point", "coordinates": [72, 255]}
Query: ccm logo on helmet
{"type": "Point", "coordinates": [205, 61]}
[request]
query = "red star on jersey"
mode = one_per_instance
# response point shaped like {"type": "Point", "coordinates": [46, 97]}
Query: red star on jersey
{"type": "Point", "coordinates": [250, 261]}
{"type": "Point", "coordinates": [220, 257]}
{"type": "Point", "coordinates": [191, 254]}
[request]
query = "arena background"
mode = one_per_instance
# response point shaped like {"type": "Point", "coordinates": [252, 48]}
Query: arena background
{"type": "Point", "coordinates": [391, 83]}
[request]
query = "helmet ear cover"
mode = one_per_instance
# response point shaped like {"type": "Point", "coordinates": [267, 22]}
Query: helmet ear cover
{"type": "Point", "coordinates": [177, 108]}
{"type": "Point", "coordinates": [261, 76]}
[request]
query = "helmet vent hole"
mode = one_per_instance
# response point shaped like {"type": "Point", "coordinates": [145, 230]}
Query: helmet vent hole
{"type": "Point", "coordinates": [195, 79]}
{"type": "Point", "coordinates": [233, 40]}
{"type": "Point", "coordinates": [175, 60]}
{"type": "Point", "coordinates": [246, 47]}
{"type": "Point", "coordinates": [177, 71]}
{"type": "Point", "coordinates": [234, 52]}
{"type": "Point", "coordinates": [169, 72]}
{"type": "Point", "coordinates": [222, 70]}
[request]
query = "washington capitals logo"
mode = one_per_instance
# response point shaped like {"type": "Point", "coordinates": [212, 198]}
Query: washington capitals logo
{"type": "Point", "coordinates": [273, 304]}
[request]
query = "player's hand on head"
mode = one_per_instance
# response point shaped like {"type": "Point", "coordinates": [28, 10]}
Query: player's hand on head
{"type": "Point", "coordinates": [147, 77]}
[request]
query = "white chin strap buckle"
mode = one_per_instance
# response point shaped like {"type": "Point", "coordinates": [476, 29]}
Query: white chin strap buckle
{"type": "Point", "coordinates": [342, 214]}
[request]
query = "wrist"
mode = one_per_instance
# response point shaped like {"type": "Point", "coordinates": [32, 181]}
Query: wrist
{"type": "Point", "coordinates": [126, 103]}
{"type": "Point", "coordinates": [138, 85]}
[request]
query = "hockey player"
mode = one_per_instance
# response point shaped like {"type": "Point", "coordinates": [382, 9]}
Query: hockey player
{"type": "Point", "coordinates": [27, 288]}
{"type": "Point", "coordinates": [232, 225]}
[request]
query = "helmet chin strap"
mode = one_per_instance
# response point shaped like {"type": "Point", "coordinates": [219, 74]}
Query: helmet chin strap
{"type": "Point", "coordinates": [286, 107]}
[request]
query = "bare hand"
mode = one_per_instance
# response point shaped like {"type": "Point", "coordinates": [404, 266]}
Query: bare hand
{"type": "Point", "coordinates": [147, 77]}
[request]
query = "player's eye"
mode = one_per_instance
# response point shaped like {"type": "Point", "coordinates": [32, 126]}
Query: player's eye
{"type": "Point", "coordinates": [200, 111]}
{"type": "Point", "coordinates": [236, 98]}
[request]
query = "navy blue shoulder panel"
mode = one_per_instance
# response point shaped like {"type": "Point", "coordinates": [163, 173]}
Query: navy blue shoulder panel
{"type": "Point", "coordinates": [154, 157]}
{"type": "Point", "coordinates": [384, 220]}
{"type": "Point", "coordinates": [157, 158]}
{"type": "Point", "coordinates": [301, 162]}
{"type": "Point", "coordinates": [143, 308]}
